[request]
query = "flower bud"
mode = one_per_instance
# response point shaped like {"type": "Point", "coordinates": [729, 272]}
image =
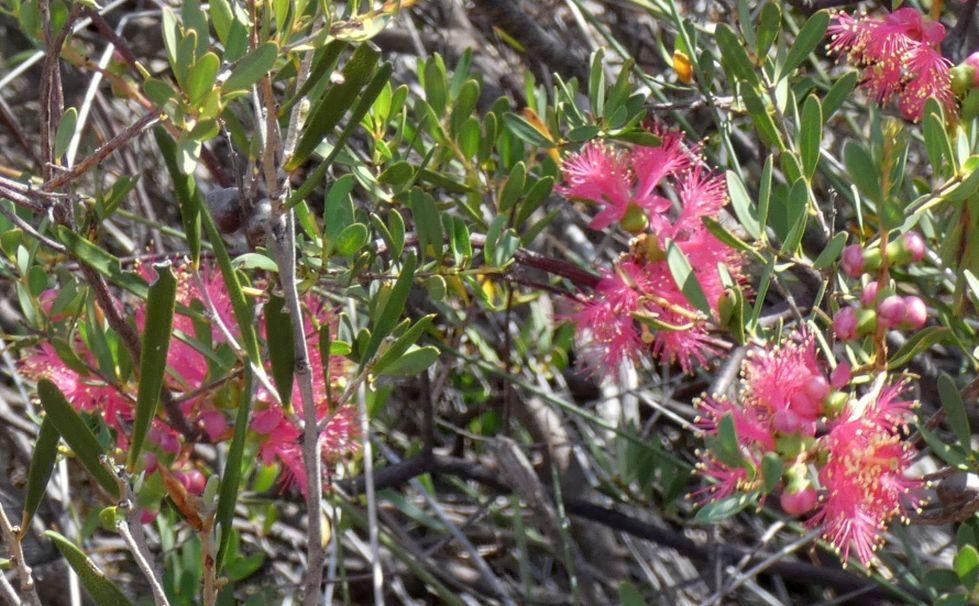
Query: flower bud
{"type": "Point", "coordinates": [787, 421]}
{"type": "Point", "coordinates": [817, 388]}
{"type": "Point", "coordinates": [798, 503]}
{"type": "Point", "coordinates": [147, 516]}
{"type": "Point", "coordinates": [193, 480]}
{"type": "Point", "coordinates": [852, 260]}
{"type": "Point", "coordinates": [845, 323]}
{"type": "Point", "coordinates": [966, 74]}
{"type": "Point", "coordinates": [835, 404]}
{"type": "Point", "coordinates": [214, 424]}
{"type": "Point", "coordinates": [909, 248]}
{"type": "Point", "coordinates": [149, 462]}
{"type": "Point", "coordinates": [891, 311]}
{"type": "Point", "coordinates": [840, 375]}
{"type": "Point", "coordinates": [869, 295]}
{"type": "Point", "coordinates": [915, 313]}
{"type": "Point", "coordinates": [634, 221]}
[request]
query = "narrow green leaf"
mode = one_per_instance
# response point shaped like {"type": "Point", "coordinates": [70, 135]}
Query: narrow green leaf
{"type": "Point", "coordinates": [744, 207]}
{"type": "Point", "coordinates": [66, 129]}
{"type": "Point", "coordinates": [76, 434]}
{"type": "Point", "coordinates": [188, 195]}
{"type": "Point", "coordinates": [278, 331]}
{"type": "Point", "coordinates": [723, 509]}
{"type": "Point", "coordinates": [327, 112]}
{"type": "Point", "coordinates": [761, 118]}
{"type": "Point", "coordinates": [771, 471]}
{"type": "Point", "coordinates": [769, 25]}
{"type": "Point", "coordinates": [966, 565]}
{"type": "Point", "coordinates": [734, 58]}
{"type": "Point", "coordinates": [351, 239]}
{"type": "Point", "coordinates": [831, 252]}
{"type": "Point", "coordinates": [862, 170]}
{"type": "Point", "coordinates": [251, 67]}
{"type": "Point", "coordinates": [955, 414]}
{"type": "Point", "coordinates": [42, 464]}
{"type": "Point", "coordinates": [101, 261]}
{"type": "Point", "coordinates": [937, 143]}
{"type": "Point", "coordinates": [231, 478]}
{"type": "Point", "coordinates": [796, 212]}
{"type": "Point", "coordinates": [596, 83]}
{"type": "Point", "coordinates": [810, 135]}
{"type": "Point", "coordinates": [402, 343]}
{"type": "Point", "coordinates": [724, 235]}
{"type": "Point", "coordinates": [389, 314]}
{"type": "Point", "coordinates": [629, 595]}
{"type": "Point", "coordinates": [153, 355]}
{"type": "Point", "coordinates": [805, 43]}
{"type": "Point", "coordinates": [414, 361]}
{"type": "Point", "coordinates": [428, 225]}
{"type": "Point", "coordinates": [952, 455]}
{"type": "Point", "coordinates": [920, 341]}
{"type": "Point", "coordinates": [685, 278]}
{"type": "Point", "coordinates": [838, 93]}
{"type": "Point", "coordinates": [324, 62]}
{"type": "Point", "coordinates": [526, 131]}
{"type": "Point", "coordinates": [102, 590]}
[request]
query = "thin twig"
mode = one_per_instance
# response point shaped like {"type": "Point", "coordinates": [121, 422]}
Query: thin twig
{"type": "Point", "coordinates": [7, 591]}
{"type": "Point", "coordinates": [132, 534]}
{"type": "Point", "coordinates": [12, 535]}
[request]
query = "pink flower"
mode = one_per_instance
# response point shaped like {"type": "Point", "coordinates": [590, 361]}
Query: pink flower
{"type": "Point", "coordinates": [788, 378]}
{"type": "Point", "coordinates": [852, 260]}
{"type": "Point", "coordinates": [898, 55]}
{"type": "Point", "coordinates": [865, 483]}
{"type": "Point", "coordinates": [616, 180]}
{"type": "Point", "coordinates": [724, 480]}
{"type": "Point", "coordinates": [845, 323]}
{"type": "Point", "coordinates": [798, 503]}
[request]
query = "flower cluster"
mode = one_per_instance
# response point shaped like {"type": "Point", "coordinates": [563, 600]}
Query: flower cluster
{"type": "Point", "coordinates": [660, 194]}
{"type": "Point", "coordinates": [876, 307]}
{"type": "Point", "coordinates": [842, 459]}
{"type": "Point", "coordinates": [193, 376]}
{"type": "Point", "coordinates": [899, 56]}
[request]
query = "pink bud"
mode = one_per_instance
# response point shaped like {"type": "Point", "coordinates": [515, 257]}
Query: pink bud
{"type": "Point", "coordinates": [973, 62]}
{"type": "Point", "coordinates": [147, 516]}
{"type": "Point", "coordinates": [914, 244]}
{"type": "Point", "coordinates": [840, 375]}
{"type": "Point", "coordinates": [800, 502]}
{"type": "Point", "coordinates": [817, 388]}
{"type": "Point", "coordinates": [149, 462]}
{"type": "Point", "coordinates": [787, 421]}
{"type": "Point", "coordinates": [804, 404]}
{"type": "Point", "coordinates": [890, 311]}
{"type": "Point", "coordinates": [852, 260]}
{"type": "Point", "coordinates": [915, 314]}
{"type": "Point", "coordinates": [845, 323]}
{"type": "Point", "coordinates": [214, 424]}
{"type": "Point", "coordinates": [193, 480]}
{"type": "Point", "coordinates": [869, 295]}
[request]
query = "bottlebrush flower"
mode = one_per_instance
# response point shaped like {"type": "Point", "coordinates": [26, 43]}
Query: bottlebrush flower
{"type": "Point", "coordinates": [617, 180]}
{"type": "Point", "coordinates": [899, 56]}
{"type": "Point", "coordinates": [864, 476]}
{"type": "Point", "coordinates": [788, 379]}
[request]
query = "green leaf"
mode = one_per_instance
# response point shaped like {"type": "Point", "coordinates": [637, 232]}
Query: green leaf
{"type": "Point", "coordinates": [685, 278]}
{"type": "Point", "coordinates": [796, 203]}
{"type": "Point", "coordinates": [629, 595]}
{"type": "Point", "coordinates": [831, 252]}
{"type": "Point", "coordinates": [414, 361]}
{"type": "Point", "coordinates": [201, 77]}
{"type": "Point", "coordinates": [251, 68]}
{"type": "Point", "coordinates": [526, 131]}
{"type": "Point", "coordinates": [101, 261]}
{"type": "Point", "coordinates": [966, 565]}
{"type": "Point", "coordinates": [389, 312]}
{"type": "Point", "coordinates": [327, 112]}
{"type": "Point", "coordinates": [153, 355]}
{"type": "Point", "coordinates": [771, 471]}
{"type": "Point", "coordinates": [514, 186]}
{"type": "Point", "coordinates": [397, 174]}
{"type": "Point", "coordinates": [76, 434]}
{"type": "Point", "coordinates": [102, 590]}
{"type": "Point", "coordinates": [596, 83]}
{"type": "Point", "coordinates": [188, 195]}
{"type": "Point", "coordinates": [428, 225]}
{"type": "Point", "coordinates": [735, 60]}
{"type": "Point", "coordinates": [724, 235]}
{"type": "Point", "coordinates": [952, 455]}
{"type": "Point", "coordinates": [717, 511]}
{"type": "Point", "coordinates": [402, 343]}
{"type": "Point", "coordinates": [810, 135]}
{"type": "Point", "coordinates": [744, 207]}
{"type": "Point", "coordinates": [937, 143]}
{"type": "Point", "coordinates": [862, 170]}
{"type": "Point", "coordinates": [282, 353]}
{"type": "Point", "coordinates": [231, 478]}
{"type": "Point", "coordinates": [761, 118]}
{"type": "Point", "coordinates": [66, 129]}
{"type": "Point", "coordinates": [724, 444]}
{"type": "Point", "coordinates": [954, 408]}
{"type": "Point", "coordinates": [769, 25]}
{"type": "Point", "coordinates": [965, 189]}
{"type": "Point", "coordinates": [942, 579]}
{"type": "Point", "coordinates": [918, 342]}
{"type": "Point", "coordinates": [42, 465]}
{"type": "Point", "coordinates": [838, 93]}
{"type": "Point", "coordinates": [805, 43]}
{"type": "Point", "coordinates": [351, 239]}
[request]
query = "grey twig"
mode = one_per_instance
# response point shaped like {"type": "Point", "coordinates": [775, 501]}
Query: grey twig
{"type": "Point", "coordinates": [12, 536]}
